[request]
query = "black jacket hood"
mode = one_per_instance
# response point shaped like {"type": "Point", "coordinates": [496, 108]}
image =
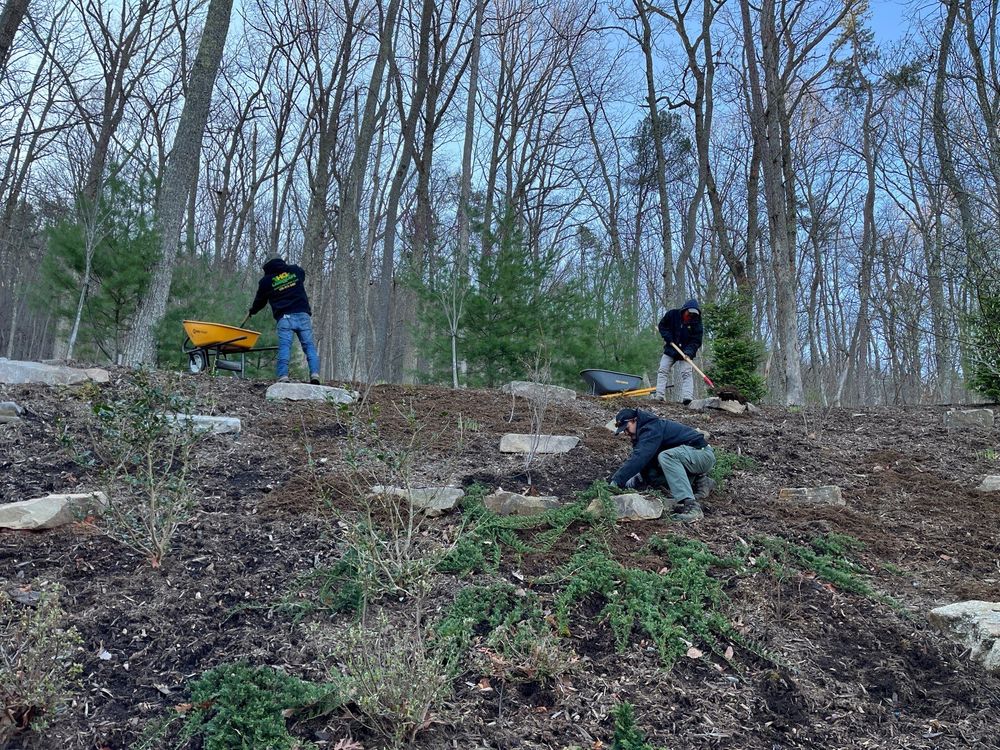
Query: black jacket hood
{"type": "Point", "coordinates": [275, 265]}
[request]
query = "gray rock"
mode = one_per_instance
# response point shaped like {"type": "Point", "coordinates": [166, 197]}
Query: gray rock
{"type": "Point", "coordinates": [733, 407]}
{"type": "Point", "coordinates": [309, 392]}
{"type": "Point", "coordinates": [975, 418]}
{"type": "Point", "coordinates": [974, 624]}
{"type": "Point", "coordinates": [206, 423]}
{"type": "Point", "coordinates": [16, 372]}
{"type": "Point", "coordinates": [700, 404]}
{"type": "Point", "coordinates": [538, 391]}
{"type": "Point", "coordinates": [10, 409]}
{"type": "Point", "coordinates": [990, 484]}
{"type": "Point", "coordinates": [514, 443]}
{"type": "Point", "coordinates": [8, 419]}
{"type": "Point", "coordinates": [51, 511]}
{"type": "Point", "coordinates": [631, 507]}
{"type": "Point", "coordinates": [753, 408]}
{"type": "Point", "coordinates": [505, 503]}
{"type": "Point", "coordinates": [826, 495]}
{"type": "Point", "coordinates": [434, 501]}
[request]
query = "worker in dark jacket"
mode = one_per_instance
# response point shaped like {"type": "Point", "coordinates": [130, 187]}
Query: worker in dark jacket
{"type": "Point", "coordinates": [283, 285]}
{"type": "Point", "coordinates": [683, 328]}
{"type": "Point", "coordinates": [667, 452]}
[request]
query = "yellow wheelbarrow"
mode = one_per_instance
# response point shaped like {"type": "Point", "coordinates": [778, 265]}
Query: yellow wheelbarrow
{"type": "Point", "coordinates": [212, 346]}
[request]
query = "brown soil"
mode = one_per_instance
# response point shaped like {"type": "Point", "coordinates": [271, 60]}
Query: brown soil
{"type": "Point", "coordinates": [848, 672]}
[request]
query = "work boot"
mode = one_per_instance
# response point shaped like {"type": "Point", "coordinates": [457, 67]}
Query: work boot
{"type": "Point", "coordinates": [314, 378]}
{"type": "Point", "coordinates": [702, 485]}
{"type": "Point", "coordinates": [689, 513]}
{"type": "Point", "coordinates": [283, 379]}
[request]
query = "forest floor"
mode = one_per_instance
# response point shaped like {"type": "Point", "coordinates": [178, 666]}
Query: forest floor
{"type": "Point", "coordinates": [811, 663]}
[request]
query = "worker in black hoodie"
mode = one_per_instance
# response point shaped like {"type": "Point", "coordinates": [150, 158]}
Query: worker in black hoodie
{"type": "Point", "coordinates": [666, 452]}
{"type": "Point", "coordinates": [683, 328]}
{"type": "Point", "coordinates": [283, 285]}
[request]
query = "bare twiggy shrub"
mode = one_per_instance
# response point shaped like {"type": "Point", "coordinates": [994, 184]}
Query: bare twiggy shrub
{"type": "Point", "coordinates": [37, 672]}
{"type": "Point", "coordinates": [143, 442]}
{"type": "Point", "coordinates": [396, 678]}
{"type": "Point", "coordinates": [539, 371]}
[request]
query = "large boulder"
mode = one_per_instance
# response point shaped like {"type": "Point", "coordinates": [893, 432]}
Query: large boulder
{"type": "Point", "coordinates": [825, 495]}
{"type": "Point", "coordinates": [505, 503]}
{"type": "Point", "coordinates": [205, 423]}
{"type": "Point", "coordinates": [515, 443]}
{"type": "Point", "coordinates": [433, 501]}
{"type": "Point", "coordinates": [975, 625]}
{"type": "Point", "coordinates": [631, 507]}
{"type": "Point", "coordinates": [309, 392]}
{"type": "Point", "coordinates": [51, 511]}
{"type": "Point", "coordinates": [17, 372]}
{"type": "Point", "coordinates": [538, 391]}
{"type": "Point", "coordinates": [969, 418]}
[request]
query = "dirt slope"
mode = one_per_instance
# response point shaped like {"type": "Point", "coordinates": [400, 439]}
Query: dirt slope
{"type": "Point", "coordinates": [851, 672]}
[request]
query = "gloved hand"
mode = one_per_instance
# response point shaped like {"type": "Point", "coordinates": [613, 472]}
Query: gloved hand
{"type": "Point", "coordinates": [634, 482]}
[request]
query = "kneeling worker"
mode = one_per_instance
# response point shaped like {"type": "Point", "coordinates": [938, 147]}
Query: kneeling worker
{"type": "Point", "coordinates": [667, 452]}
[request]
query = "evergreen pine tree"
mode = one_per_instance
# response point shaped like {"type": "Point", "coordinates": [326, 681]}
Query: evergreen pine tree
{"type": "Point", "coordinates": [736, 355]}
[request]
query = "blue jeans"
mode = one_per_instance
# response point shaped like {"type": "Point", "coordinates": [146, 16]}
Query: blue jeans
{"type": "Point", "coordinates": [302, 325]}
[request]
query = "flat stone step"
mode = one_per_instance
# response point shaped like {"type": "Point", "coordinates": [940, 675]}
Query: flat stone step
{"type": "Point", "coordinates": [970, 418]}
{"type": "Point", "coordinates": [631, 507]}
{"type": "Point", "coordinates": [18, 372]}
{"type": "Point", "coordinates": [824, 495]}
{"type": "Point", "coordinates": [51, 511]}
{"type": "Point", "coordinates": [990, 484]}
{"type": "Point", "coordinates": [538, 391]}
{"type": "Point", "coordinates": [207, 423]}
{"type": "Point", "coordinates": [517, 443]}
{"type": "Point", "coordinates": [432, 500]}
{"type": "Point", "coordinates": [309, 392]}
{"type": "Point", "coordinates": [975, 625]}
{"type": "Point", "coordinates": [506, 503]}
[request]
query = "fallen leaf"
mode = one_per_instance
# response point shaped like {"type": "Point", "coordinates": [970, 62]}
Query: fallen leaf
{"type": "Point", "coordinates": [485, 686]}
{"type": "Point", "coordinates": [695, 653]}
{"type": "Point", "coordinates": [183, 708]}
{"type": "Point", "coordinates": [729, 653]}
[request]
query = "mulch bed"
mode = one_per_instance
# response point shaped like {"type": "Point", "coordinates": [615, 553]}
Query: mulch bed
{"type": "Point", "coordinates": [849, 672]}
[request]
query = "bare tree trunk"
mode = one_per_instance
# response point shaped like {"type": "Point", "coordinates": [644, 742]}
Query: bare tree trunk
{"type": "Point", "coordinates": [140, 347]}
{"type": "Point", "coordinates": [347, 232]}
{"type": "Point", "coordinates": [13, 12]}
{"type": "Point", "coordinates": [669, 272]}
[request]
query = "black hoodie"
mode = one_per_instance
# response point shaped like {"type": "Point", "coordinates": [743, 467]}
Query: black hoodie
{"type": "Point", "coordinates": [283, 285]}
{"type": "Point", "coordinates": [653, 436]}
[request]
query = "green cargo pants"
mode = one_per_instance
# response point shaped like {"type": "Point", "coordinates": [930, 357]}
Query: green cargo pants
{"type": "Point", "coordinates": [681, 463]}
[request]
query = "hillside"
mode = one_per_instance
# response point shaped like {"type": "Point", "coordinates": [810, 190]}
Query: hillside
{"type": "Point", "coordinates": [791, 656]}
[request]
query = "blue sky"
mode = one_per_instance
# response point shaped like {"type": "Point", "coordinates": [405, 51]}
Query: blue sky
{"type": "Point", "coordinates": [887, 19]}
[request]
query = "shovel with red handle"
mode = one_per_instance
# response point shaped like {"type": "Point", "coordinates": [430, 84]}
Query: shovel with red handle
{"type": "Point", "coordinates": [687, 359]}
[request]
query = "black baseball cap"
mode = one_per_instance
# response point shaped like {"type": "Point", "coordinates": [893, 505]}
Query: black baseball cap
{"type": "Point", "coordinates": [622, 419]}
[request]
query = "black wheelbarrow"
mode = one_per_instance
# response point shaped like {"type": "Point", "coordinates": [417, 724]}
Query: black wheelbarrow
{"type": "Point", "coordinates": [611, 384]}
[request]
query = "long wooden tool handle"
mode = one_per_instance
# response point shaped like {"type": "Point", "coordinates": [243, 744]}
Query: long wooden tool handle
{"type": "Point", "coordinates": [687, 359]}
{"type": "Point", "coordinates": [244, 322]}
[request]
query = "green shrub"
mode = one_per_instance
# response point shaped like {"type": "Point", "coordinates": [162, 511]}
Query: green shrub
{"type": "Point", "coordinates": [726, 462]}
{"type": "Point", "coordinates": [984, 353]}
{"type": "Point", "coordinates": [680, 605]}
{"type": "Point", "coordinates": [627, 734]}
{"type": "Point", "coordinates": [37, 671]}
{"type": "Point", "coordinates": [238, 706]}
{"type": "Point", "coordinates": [480, 548]}
{"type": "Point", "coordinates": [827, 556]}
{"type": "Point", "coordinates": [514, 641]}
